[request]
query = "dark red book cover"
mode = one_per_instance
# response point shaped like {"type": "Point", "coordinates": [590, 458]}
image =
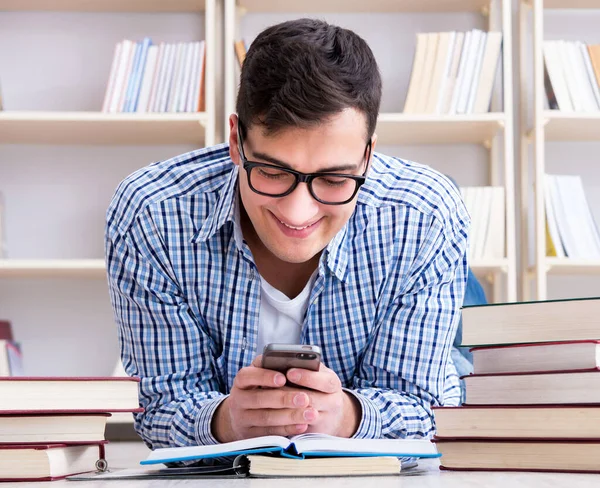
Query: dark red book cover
{"type": "Point", "coordinates": [5, 330]}
{"type": "Point", "coordinates": [533, 344]}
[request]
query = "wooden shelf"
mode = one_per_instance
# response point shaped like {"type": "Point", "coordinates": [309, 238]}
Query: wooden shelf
{"type": "Point", "coordinates": [409, 129]}
{"type": "Point", "coordinates": [307, 6]}
{"type": "Point", "coordinates": [571, 4]}
{"type": "Point", "coordinates": [52, 268]}
{"type": "Point", "coordinates": [489, 265]}
{"type": "Point", "coordinates": [573, 266]}
{"type": "Point", "coordinates": [572, 126]}
{"type": "Point", "coordinates": [102, 128]}
{"type": "Point", "coordinates": [104, 5]}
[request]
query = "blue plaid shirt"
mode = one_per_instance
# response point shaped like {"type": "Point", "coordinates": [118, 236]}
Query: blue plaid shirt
{"type": "Point", "coordinates": [384, 307]}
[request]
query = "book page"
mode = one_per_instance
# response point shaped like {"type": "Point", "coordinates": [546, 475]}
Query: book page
{"type": "Point", "coordinates": [324, 443]}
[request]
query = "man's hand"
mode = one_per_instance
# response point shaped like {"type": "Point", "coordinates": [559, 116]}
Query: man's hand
{"type": "Point", "coordinates": [339, 412]}
{"type": "Point", "coordinates": [260, 404]}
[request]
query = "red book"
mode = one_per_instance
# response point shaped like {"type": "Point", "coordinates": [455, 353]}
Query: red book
{"type": "Point", "coordinates": [69, 394]}
{"type": "Point", "coordinates": [47, 462]}
{"type": "Point", "coordinates": [568, 456]}
{"type": "Point", "coordinates": [5, 330]}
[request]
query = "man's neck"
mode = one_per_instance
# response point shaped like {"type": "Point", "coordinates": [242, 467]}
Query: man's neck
{"type": "Point", "coordinates": [289, 278]}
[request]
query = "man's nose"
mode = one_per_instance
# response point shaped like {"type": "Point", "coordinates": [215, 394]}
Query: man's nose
{"type": "Point", "coordinates": [299, 207]}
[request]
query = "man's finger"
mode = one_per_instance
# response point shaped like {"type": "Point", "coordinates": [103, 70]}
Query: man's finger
{"type": "Point", "coordinates": [280, 417]}
{"type": "Point", "coordinates": [272, 398]}
{"type": "Point", "coordinates": [286, 430]}
{"type": "Point", "coordinates": [325, 381]}
{"type": "Point", "coordinates": [257, 362]}
{"type": "Point", "coordinates": [251, 377]}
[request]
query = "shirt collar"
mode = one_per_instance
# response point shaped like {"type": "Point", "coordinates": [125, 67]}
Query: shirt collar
{"type": "Point", "coordinates": [223, 210]}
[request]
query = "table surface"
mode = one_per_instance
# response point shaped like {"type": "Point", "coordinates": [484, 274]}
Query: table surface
{"type": "Point", "coordinates": [426, 475]}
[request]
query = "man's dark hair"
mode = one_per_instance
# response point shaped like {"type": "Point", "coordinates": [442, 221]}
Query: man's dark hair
{"type": "Point", "coordinates": [300, 72]}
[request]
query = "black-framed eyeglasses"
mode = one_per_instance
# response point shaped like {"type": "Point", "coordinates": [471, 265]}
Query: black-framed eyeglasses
{"type": "Point", "coordinates": [272, 180]}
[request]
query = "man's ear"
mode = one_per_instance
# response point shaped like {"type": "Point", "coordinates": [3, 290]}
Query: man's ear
{"type": "Point", "coordinates": [234, 152]}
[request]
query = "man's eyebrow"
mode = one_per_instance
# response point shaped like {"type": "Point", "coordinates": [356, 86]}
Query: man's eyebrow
{"type": "Point", "coordinates": [332, 169]}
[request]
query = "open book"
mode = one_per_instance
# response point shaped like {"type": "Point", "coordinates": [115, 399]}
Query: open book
{"type": "Point", "coordinates": [299, 447]}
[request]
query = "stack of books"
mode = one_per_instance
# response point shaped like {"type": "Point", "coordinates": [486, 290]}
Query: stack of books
{"type": "Point", "coordinates": [533, 400]}
{"type": "Point", "coordinates": [53, 427]}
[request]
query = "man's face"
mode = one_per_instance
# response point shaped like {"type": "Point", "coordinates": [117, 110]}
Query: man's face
{"type": "Point", "coordinates": [296, 227]}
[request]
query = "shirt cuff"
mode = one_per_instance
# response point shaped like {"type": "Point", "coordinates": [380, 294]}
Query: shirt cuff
{"type": "Point", "coordinates": [204, 435]}
{"type": "Point", "coordinates": [370, 423]}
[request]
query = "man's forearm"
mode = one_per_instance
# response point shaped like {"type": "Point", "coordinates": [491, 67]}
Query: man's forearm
{"type": "Point", "coordinates": [392, 414]}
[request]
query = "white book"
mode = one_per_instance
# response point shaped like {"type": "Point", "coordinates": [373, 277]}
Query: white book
{"type": "Point", "coordinates": [570, 72]}
{"type": "Point", "coordinates": [495, 234]}
{"type": "Point", "coordinates": [416, 74]}
{"type": "Point", "coordinates": [566, 218]}
{"type": "Point", "coordinates": [440, 67]}
{"type": "Point", "coordinates": [445, 76]}
{"type": "Point", "coordinates": [169, 78]}
{"type": "Point", "coordinates": [430, 57]}
{"type": "Point", "coordinates": [476, 73]}
{"type": "Point", "coordinates": [194, 78]}
{"type": "Point", "coordinates": [200, 84]}
{"type": "Point", "coordinates": [121, 76]}
{"type": "Point", "coordinates": [112, 77]}
{"type": "Point", "coordinates": [149, 73]}
{"type": "Point", "coordinates": [489, 68]}
{"type": "Point", "coordinates": [462, 68]}
{"type": "Point", "coordinates": [185, 82]}
{"type": "Point", "coordinates": [557, 77]}
{"type": "Point", "coordinates": [452, 73]}
{"type": "Point", "coordinates": [156, 78]}
{"type": "Point", "coordinates": [581, 75]}
{"type": "Point", "coordinates": [176, 76]}
{"type": "Point", "coordinates": [586, 226]}
{"type": "Point", "coordinates": [165, 71]}
{"type": "Point", "coordinates": [467, 81]}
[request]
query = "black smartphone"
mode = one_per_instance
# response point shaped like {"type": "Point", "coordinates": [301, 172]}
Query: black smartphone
{"type": "Point", "coordinates": [281, 357]}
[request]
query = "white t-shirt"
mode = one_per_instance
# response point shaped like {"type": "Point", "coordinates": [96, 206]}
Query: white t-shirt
{"type": "Point", "coordinates": [281, 318]}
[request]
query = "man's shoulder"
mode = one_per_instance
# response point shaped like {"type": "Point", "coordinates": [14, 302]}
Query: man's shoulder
{"type": "Point", "coordinates": [396, 182]}
{"type": "Point", "coordinates": [196, 172]}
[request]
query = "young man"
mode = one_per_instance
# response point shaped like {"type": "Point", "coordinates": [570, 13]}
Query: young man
{"type": "Point", "coordinates": [296, 231]}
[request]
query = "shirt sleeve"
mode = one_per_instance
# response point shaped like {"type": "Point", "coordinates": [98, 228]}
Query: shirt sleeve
{"type": "Point", "coordinates": [162, 342]}
{"type": "Point", "coordinates": [406, 368]}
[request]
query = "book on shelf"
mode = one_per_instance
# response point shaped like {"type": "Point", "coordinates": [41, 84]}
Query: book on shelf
{"type": "Point", "coordinates": [572, 75]}
{"type": "Point", "coordinates": [47, 462]}
{"type": "Point", "coordinates": [165, 77]}
{"type": "Point", "coordinates": [540, 357]}
{"type": "Point", "coordinates": [298, 447]}
{"type": "Point", "coordinates": [11, 357]}
{"type": "Point", "coordinates": [45, 427]}
{"type": "Point", "coordinates": [453, 72]}
{"type": "Point", "coordinates": [572, 230]}
{"type": "Point", "coordinates": [518, 422]}
{"type": "Point", "coordinates": [550, 388]}
{"type": "Point", "coordinates": [486, 206]}
{"type": "Point", "coordinates": [577, 456]}
{"type": "Point", "coordinates": [69, 394]}
{"type": "Point", "coordinates": [531, 322]}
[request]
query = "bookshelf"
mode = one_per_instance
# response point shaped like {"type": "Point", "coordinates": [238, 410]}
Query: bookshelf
{"type": "Point", "coordinates": [537, 128]}
{"type": "Point", "coordinates": [98, 128]}
{"type": "Point", "coordinates": [492, 131]}
{"type": "Point", "coordinates": [61, 157]}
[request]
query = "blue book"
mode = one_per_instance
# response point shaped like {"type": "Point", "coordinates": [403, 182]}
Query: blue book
{"type": "Point", "coordinates": [139, 74]}
{"type": "Point", "coordinates": [299, 447]}
{"type": "Point", "coordinates": [130, 80]}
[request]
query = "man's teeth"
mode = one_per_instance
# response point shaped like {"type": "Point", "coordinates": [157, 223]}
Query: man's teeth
{"type": "Point", "coordinates": [295, 228]}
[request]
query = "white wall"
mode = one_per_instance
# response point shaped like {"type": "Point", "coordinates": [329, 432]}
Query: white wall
{"type": "Point", "coordinates": [56, 196]}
